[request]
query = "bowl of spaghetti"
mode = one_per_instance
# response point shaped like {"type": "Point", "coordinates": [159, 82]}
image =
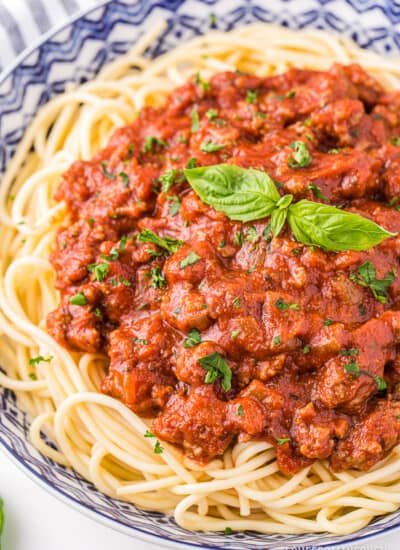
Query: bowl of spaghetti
{"type": "Point", "coordinates": [199, 296]}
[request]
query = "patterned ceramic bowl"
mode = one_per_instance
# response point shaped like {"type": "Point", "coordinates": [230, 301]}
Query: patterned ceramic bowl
{"type": "Point", "coordinates": [75, 53]}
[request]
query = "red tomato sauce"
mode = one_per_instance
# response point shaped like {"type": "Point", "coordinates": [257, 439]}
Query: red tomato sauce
{"type": "Point", "coordinates": [287, 318]}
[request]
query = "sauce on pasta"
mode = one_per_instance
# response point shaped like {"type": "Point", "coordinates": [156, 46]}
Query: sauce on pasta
{"type": "Point", "coordinates": [214, 328]}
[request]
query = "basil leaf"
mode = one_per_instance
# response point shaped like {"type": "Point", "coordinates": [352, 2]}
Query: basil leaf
{"type": "Point", "coordinates": [278, 218]}
{"type": "Point", "coordinates": [318, 224]}
{"type": "Point", "coordinates": [243, 195]}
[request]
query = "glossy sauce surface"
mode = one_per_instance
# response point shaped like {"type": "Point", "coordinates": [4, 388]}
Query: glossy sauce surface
{"type": "Point", "coordinates": [288, 319]}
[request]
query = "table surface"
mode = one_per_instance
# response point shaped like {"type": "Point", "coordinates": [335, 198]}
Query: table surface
{"type": "Point", "coordinates": [35, 520]}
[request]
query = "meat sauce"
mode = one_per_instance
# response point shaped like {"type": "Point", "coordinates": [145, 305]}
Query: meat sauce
{"type": "Point", "coordinates": [290, 320]}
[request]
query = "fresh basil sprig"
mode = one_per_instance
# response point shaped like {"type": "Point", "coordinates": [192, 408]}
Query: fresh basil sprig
{"type": "Point", "coordinates": [247, 195]}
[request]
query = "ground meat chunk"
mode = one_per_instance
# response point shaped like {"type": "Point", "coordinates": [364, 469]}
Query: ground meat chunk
{"type": "Point", "coordinates": [377, 432]}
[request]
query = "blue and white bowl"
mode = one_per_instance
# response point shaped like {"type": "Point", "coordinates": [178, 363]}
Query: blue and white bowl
{"type": "Point", "coordinates": [75, 53]}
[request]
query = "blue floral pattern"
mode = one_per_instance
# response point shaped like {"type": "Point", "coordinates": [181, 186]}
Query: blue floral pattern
{"type": "Point", "coordinates": [76, 53]}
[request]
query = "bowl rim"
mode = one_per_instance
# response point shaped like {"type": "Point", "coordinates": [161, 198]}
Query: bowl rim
{"type": "Point", "coordinates": [97, 516]}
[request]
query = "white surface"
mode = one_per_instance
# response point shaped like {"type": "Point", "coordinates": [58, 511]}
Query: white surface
{"type": "Point", "coordinates": [35, 520]}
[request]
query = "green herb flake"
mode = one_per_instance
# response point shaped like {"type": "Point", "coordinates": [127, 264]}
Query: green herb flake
{"type": "Point", "coordinates": [205, 86]}
{"type": "Point", "coordinates": [283, 440]}
{"type": "Point", "coordinates": [190, 259]}
{"type": "Point", "coordinates": [222, 244]}
{"type": "Point", "coordinates": [317, 192]}
{"type": "Point", "coordinates": [143, 342]}
{"type": "Point", "coordinates": [238, 238]}
{"type": "Point", "coordinates": [32, 376]}
{"type": "Point", "coordinates": [169, 244]}
{"type": "Point", "coordinates": [78, 299]}
{"type": "Point", "coordinates": [301, 157]}
{"type": "Point", "coordinates": [327, 322]}
{"type": "Point", "coordinates": [366, 277]}
{"type": "Point", "coordinates": [277, 340]}
{"type": "Point", "coordinates": [100, 271]}
{"type": "Point", "coordinates": [290, 94]}
{"type": "Point", "coordinates": [216, 367]}
{"type": "Point", "coordinates": [228, 531]}
{"type": "Point", "coordinates": [236, 302]}
{"type": "Point", "coordinates": [125, 179]}
{"type": "Point", "coordinates": [193, 338]}
{"type": "Point", "coordinates": [39, 359]}
{"type": "Point", "coordinates": [252, 236]}
{"type": "Point", "coordinates": [195, 121]}
{"type": "Point", "coordinates": [211, 147]}
{"type": "Point", "coordinates": [395, 141]}
{"type": "Point", "coordinates": [157, 278]}
{"type": "Point", "coordinates": [251, 96]}
{"type": "Point", "coordinates": [362, 309]}
{"type": "Point", "coordinates": [213, 19]}
{"type": "Point", "coordinates": [211, 114]}
{"type": "Point", "coordinates": [259, 114]}
{"type": "Point", "coordinates": [239, 411]}
{"type": "Point", "coordinates": [108, 174]}
{"type": "Point", "coordinates": [147, 433]}
{"type": "Point", "coordinates": [348, 352]}
{"type": "Point", "coordinates": [157, 448]}
{"type": "Point", "coordinates": [192, 163]}
{"type": "Point", "coordinates": [97, 312]}
{"type": "Point", "coordinates": [151, 142]}
{"type": "Point", "coordinates": [234, 334]}
{"type": "Point", "coordinates": [306, 350]}
{"type": "Point", "coordinates": [168, 179]}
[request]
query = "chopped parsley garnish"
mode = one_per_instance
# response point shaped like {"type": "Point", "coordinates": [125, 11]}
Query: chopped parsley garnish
{"type": "Point", "coordinates": [124, 281]}
{"type": "Point", "coordinates": [395, 141]}
{"type": "Point", "coordinates": [366, 276]}
{"type": "Point", "coordinates": [239, 411]}
{"type": "Point", "coordinates": [283, 306]}
{"type": "Point", "coordinates": [277, 340]}
{"type": "Point", "coordinates": [290, 94]}
{"type": "Point", "coordinates": [151, 142]}
{"type": "Point", "coordinates": [203, 85]}
{"type": "Point", "coordinates": [90, 221]}
{"type": "Point", "coordinates": [213, 19]}
{"type": "Point", "coordinates": [260, 115]}
{"type": "Point", "coordinates": [222, 244]}
{"type": "Point", "coordinates": [283, 440]}
{"type": "Point", "coordinates": [168, 179]}
{"type": "Point", "coordinates": [238, 238]}
{"type": "Point", "coordinates": [167, 243]}
{"type": "Point", "coordinates": [114, 254]}
{"type": "Point", "coordinates": [211, 114]}
{"type": "Point", "coordinates": [355, 371]}
{"type": "Point", "coordinates": [100, 271]}
{"type": "Point", "coordinates": [267, 233]}
{"type": "Point", "coordinates": [252, 236]}
{"type": "Point", "coordinates": [195, 120]}
{"type": "Point", "coordinates": [190, 259]}
{"type": "Point", "coordinates": [347, 352]}
{"type": "Point", "coordinates": [108, 174]}
{"type": "Point", "coordinates": [228, 531]}
{"type": "Point", "coordinates": [193, 338]}
{"type": "Point", "coordinates": [191, 163]}
{"type": "Point", "coordinates": [334, 151]}
{"type": "Point", "coordinates": [157, 278]}
{"type": "Point", "coordinates": [317, 192]}
{"type": "Point", "coordinates": [210, 146]}
{"type": "Point", "coordinates": [182, 139]}
{"type": "Point", "coordinates": [251, 96]}
{"type": "Point", "coordinates": [144, 342]}
{"type": "Point", "coordinates": [301, 157]}
{"type": "Point", "coordinates": [236, 302]}
{"type": "Point", "coordinates": [175, 206]}
{"type": "Point", "coordinates": [97, 312]}
{"type": "Point", "coordinates": [216, 367]}
{"type": "Point", "coordinates": [32, 376]}
{"type": "Point", "coordinates": [125, 179]}
{"type": "Point", "coordinates": [157, 448]}
{"type": "Point", "coordinates": [306, 350]}
{"type": "Point", "coordinates": [39, 359]}
{"type": "Point", "coordinates": [327, 322]}
{"type": "Point", "coordinates": [235, 334]}
{"type": "Point", "coordinates": [78, 299]}
{"type": "Point", "coordinates": [362, 309]}
{"type": "Point", "coordinates": [147, 433]}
